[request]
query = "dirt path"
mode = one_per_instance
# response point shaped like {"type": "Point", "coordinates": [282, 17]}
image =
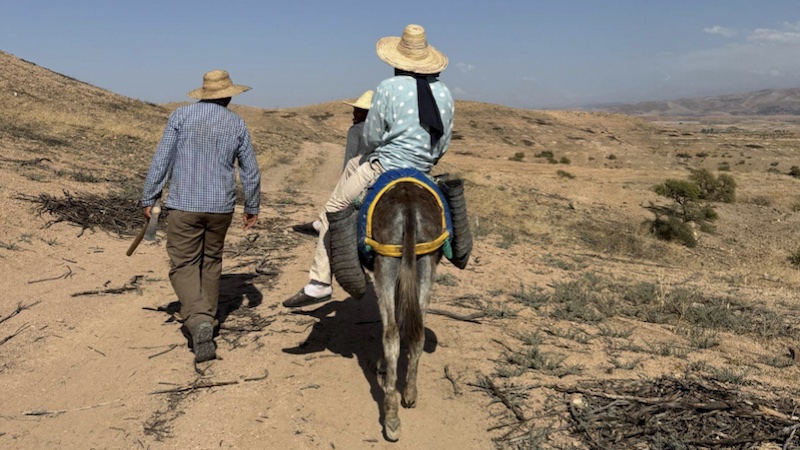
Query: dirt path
{"type": "Point", "coordinates": [82, 371]}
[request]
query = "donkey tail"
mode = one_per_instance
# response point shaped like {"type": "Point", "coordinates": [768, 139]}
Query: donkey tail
{"type": "Point", "coordinates": [408, 309]}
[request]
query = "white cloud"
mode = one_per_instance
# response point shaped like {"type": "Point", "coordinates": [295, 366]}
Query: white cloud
{"type": "Point", "coordinates": [529, 79]}
{"type": "Point", "coordinates": [722, 31]}
{"type": "Point", "coordinates": [787, 35]}
{"type": "Point", "coordinates": [465, 67]}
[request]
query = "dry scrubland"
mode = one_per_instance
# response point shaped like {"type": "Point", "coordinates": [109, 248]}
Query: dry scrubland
{"type": "Point", "coordinates": [584, 330]}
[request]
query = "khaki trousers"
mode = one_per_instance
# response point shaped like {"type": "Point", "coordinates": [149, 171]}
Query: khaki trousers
{"type": "Point", "coordinates": [194, 244]}
{"type": "Point", "coordinates": [355, 179]}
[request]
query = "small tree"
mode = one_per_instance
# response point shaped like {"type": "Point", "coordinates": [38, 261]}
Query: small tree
{"type": "Point", "coordinates": [692, 198]}
{"type": "Point", "coordinates": [684, 192]}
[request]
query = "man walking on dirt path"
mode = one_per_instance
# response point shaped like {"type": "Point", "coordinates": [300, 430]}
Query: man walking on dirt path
{"type": "Point", "coordinates": [355, 149]}
{"type": "Point", "coordinates": [198, 152]}
{"type": "Point", "coordinates": [409, 126]}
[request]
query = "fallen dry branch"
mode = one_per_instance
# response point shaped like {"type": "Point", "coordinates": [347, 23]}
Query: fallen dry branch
{"type": "Point", "coordinates": [14, 334]}
{"type": "Point", "coordinates": [646, 413]}
{"type": "Point", "coordinates": [453, 381]}
{"type": "Point", "coordinates": [208, 385]}
{"type": "Point", "coordinates": [60, 277]}
{"type": "Point", "coordinates": [171, 348]}
{"type": "Point", "coordinates": [132, 285]}
{"type": "Point", "coordinates": [204, 385]}
{"type": "Point", "coordinates": [20, 307]}
{"type": "Point", "coordinates": [45, 412]}
{"type": "Point", "coordinates": [487, 384]}
{"type": "Point", "coordinates": [464, 318]}
{"type": "Point", "coordinates": [112, 212]}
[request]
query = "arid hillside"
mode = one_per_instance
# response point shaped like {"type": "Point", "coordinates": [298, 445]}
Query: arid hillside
{"type": "Point", "coordinates": [573, 327]}
{"type": "Point", "coordinates": [766, 102]}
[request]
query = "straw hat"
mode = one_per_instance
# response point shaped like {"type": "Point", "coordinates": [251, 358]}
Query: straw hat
{"type": "Point", "coordinates": [411, 52]}
{"type": "Point", "coordinates": [217, 84]}
{"type": "Point", "coordinates": [363, 102]}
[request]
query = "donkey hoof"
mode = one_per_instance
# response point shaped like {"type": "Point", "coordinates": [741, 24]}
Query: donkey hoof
{"type": "Point", "coordinates": [392, 429]}
{"type": "Point", "coordinates": [409, 397]}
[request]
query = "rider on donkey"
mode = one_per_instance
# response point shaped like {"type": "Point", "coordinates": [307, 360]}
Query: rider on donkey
{"type": "Point", "coordinates": [409, 126]}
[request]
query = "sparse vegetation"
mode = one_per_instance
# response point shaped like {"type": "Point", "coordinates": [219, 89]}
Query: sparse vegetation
{"type": "Point", "coordinates": [675, 223]}
{"type": "Point", "coordinates": [565, 174]}
{"type": "Point", "coordinates": [446, 279]}
{"type": "Point", "coordinates": [518, 156]}
{"type": "Point", "coordinates": [761, 200]}
{"type": "Point", "coordinates": [794, 259]}
{"type": "Point", "coordinates": [533, 358]}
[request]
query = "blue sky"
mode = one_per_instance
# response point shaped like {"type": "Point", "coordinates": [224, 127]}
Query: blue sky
{"type": "Point", "coordinates": [521, 53]}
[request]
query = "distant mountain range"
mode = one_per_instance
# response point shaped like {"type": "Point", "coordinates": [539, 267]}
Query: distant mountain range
{"type": "Point", "coordinates": [766, 102]}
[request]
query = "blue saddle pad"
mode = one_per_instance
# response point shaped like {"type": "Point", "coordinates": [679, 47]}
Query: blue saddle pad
{"type": "Point", "coordinates": [365, 252]}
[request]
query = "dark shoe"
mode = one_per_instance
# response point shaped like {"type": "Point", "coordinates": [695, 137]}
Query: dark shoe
{"type": "Point", "coordinates": [203, 342]}
{"type": "Point", "coordinates": [306, 228]}
{"type": "Point", "coordinates": [303, 299]}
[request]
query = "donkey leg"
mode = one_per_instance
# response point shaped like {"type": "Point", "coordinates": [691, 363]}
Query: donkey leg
{"type": "Point", "coordinates": [391, 349]}
{"type": "Point", "coordinates": [425, 272]}
{"type": "Point", "coordinates": [410, 393]}
{"type": "Point", "coordinates": [385, 283]}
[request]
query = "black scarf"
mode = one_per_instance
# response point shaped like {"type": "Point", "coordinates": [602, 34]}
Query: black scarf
{"type": "Point", "coordinates": [426, 105]}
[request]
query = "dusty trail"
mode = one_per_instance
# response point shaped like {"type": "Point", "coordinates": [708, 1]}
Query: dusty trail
{"type": "Point", "coordinates": [82, 373]}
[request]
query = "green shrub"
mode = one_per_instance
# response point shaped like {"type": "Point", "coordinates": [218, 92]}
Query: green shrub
{"type": "Point", "coordinates": [794, 171]}
{"type": "Point", "coordinates": [794, 259]}
{"type": "Point", "coordinates": [547, 154]}
{"type": "Point", "coordinates": [518, 156]}
{"type": "Point", "coordinates": [714, 189]}
{"type": "Point", "coordinates": [673, 229]}
{"type": "Point", "coordinates": [565, 174]}
{"type": "Point", "coordinates": [564, 160]}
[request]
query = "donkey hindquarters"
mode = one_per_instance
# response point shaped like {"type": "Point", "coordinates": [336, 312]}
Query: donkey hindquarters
{"type": "Point", "coordinates": [407, 214]}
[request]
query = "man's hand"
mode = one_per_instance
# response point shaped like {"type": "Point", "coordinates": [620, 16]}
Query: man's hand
{"type": "Point", "coordinates": [249, 220]}
{"type": "Point", "coordinates": [147, 212]}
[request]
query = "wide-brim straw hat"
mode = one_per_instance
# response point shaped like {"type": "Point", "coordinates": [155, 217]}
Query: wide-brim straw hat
{"type": "Point", "coordinates": [411, 52]}
{"type": "Point", "coordinates": [363, 102]}
{"type": "Point", "coordinates": [217, 84]}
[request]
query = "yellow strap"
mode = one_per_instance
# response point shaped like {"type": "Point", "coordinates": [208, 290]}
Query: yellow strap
{"type": "Point", "coordinates": [395, 250]}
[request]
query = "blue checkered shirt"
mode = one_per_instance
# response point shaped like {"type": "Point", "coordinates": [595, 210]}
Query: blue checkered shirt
{"type": "Point", "coordinates": [198, 151]}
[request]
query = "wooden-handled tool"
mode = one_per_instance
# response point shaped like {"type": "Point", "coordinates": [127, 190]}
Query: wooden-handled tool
{"type": "Point", "coordinates": [148, 232]}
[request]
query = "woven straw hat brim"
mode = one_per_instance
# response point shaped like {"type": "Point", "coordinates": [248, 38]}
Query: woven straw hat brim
{"type": "Point", "coordinates": [206, 94]}
{"type": "Point", "coordinates": [363, 102]}
{"type": "Point", "coordinates": [433, 61]}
